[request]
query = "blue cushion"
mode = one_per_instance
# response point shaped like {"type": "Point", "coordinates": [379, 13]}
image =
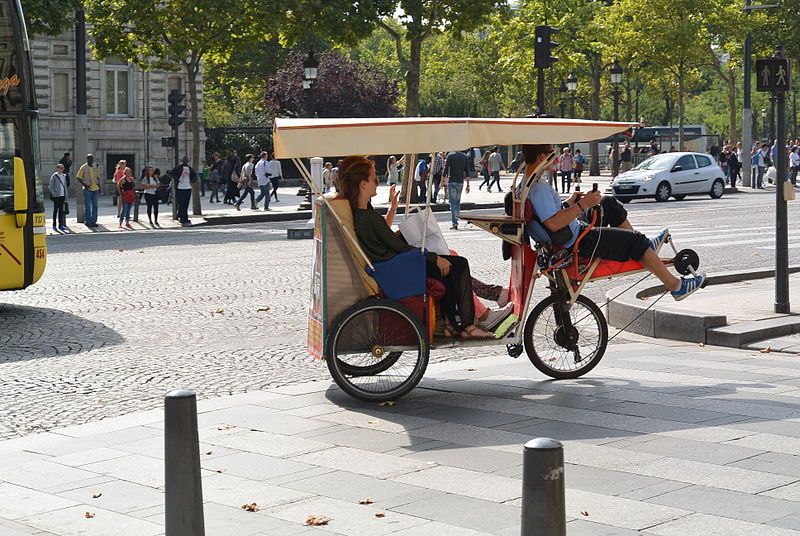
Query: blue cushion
{"type": "Point", "coordinates": [402, 276]}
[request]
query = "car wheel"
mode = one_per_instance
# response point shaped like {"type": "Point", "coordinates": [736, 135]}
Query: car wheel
{"type": "Point", "coordinates": [663, 192]}
{"type": "Point", "coordinates": [717, 189]}
{"type": "Point", "coordinates": [679, 197]}
{"type": "Point", "coordinates": [623, 200]}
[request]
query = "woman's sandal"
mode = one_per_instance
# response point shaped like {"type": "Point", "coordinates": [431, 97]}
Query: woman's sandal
{"type": "Point", "coordinates": [449, 332]}
{"type": "Point", "coordinates": [474, 332]}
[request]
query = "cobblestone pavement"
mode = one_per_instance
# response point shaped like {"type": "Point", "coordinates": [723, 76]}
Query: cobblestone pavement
{"type": "Point", "coordinates": [120, 318]}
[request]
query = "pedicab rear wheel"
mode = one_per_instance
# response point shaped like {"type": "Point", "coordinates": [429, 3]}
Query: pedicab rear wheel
{"type": "Point", "coordinates": [377, 350]}
{"type": "Point", "coordinates": [549, 344]}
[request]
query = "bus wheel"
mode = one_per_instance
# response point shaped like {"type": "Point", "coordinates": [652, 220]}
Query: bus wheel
{"type": "Point", "coordinates": [377, 350]}
{"type": "Point", "coordinates": [560, 351]}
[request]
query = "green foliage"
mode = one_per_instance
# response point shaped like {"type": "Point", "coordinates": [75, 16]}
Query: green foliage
{"type": "Point", "coordinates": [50, 16]}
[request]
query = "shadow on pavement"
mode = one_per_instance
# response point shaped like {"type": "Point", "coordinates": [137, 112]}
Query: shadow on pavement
{"type": "Point", "coordinates": [28, 333]}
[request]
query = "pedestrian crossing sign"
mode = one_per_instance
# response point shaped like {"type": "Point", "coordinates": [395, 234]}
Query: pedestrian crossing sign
{"type": "Point", "coordinates": [773, 74]}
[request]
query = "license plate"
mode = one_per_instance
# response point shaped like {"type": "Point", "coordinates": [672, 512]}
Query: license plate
{"type": "Point", "coordinates": [624, 188]}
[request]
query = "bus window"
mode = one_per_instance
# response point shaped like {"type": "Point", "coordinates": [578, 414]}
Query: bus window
{"type": "Point", "coordinates": [7, 185]}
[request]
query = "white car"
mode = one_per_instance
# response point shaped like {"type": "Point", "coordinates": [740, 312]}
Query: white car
{"type": "Point", "coordinates": [670, 174]}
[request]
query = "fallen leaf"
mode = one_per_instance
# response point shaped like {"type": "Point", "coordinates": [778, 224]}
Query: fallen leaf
{"type": "Point", "coordinates": [224, 427]}
{"type": "Point", "coordinates": [263, 308]}
{"type": "Point", "coordinates": [209, 452]}
{"type": "Point", "coordinates": [388, 403]}
{"type": "Point", "coordinates": [220, 470]}
{"type": "Point", "coordinates": [317, 520]}
{"type": "Point", "coordinates": [584, 513]}
{"type": "Point", "coordinates": [366, 501]}
{"type": "Point", "coordinates": [142, 251]}
{"type": "Point", "coordinates": [471, 370]}
{"type": "Point", "coordinates": [88, 515]}
{"type": "Point", "coordinates": [766, 350]}
{"type": "Point", "coordinates": [702, 344]}
{"type": "Point", "coordinates": [96, 495]}
{"type": "Point", "coordinates": [251, 507]}
{"type": "Point", "coordinates": [380, 515]}
{"type": "Point", "coordinates": [120, 250]}
{"type": "Point", "coordinates": [552, 359]}
{"type": "Point", "coordinates": [373, 422]}
{"type": "Point", "coordinates": [217, 311]}
{"type": "Point", "coordinates": [748, 283]}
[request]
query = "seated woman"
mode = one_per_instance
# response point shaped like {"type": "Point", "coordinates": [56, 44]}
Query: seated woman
{"type": "Point", "coordinates": [612, 238]}
{"type": "Point", "coordinates": [358, 183]}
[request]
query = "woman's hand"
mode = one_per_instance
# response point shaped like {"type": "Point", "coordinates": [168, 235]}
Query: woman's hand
{"type": "Point", "coordinates": [394, 197]}
{"type": "Point", "coordinates": [574, 198]}
{"type": "Point", "coordinates": [443, 265]}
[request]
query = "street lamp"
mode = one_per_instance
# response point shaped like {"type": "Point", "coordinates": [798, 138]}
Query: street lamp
{"type": "Point", "coordinates": [764, 124]}
{"type": "Point", "coordinates": [309, 78]}
{"type": "Point", "coordinates": [562, 93]}
{"type": "Point", "coordinates": [572, 87]}
{"type": "Point", "coordinates": [616, 80]}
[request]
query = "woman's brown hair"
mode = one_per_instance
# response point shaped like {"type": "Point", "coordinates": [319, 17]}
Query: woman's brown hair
{"type": "Point", "coordinates": [352, 172]}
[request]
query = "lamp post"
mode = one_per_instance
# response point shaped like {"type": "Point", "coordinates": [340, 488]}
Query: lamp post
{"type": "Point", "coordinates": [772, 100]}
{"type": "Point", "coordinates": [562, 93]}
{"type": "Point", "coordinates": [309, 82]}
{"type": "Point", "coordinates": [572, 87]}
{"type": "Point", "coordinates": [616, 80]}
{"type": "Point", "coordinates": [764, 124]}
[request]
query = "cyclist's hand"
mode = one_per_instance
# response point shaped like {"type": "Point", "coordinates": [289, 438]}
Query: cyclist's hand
{"type": "Point", "coordinates": [574, 198]}
{"type": "Point", "coordinates": [443, 265]}
{"type": "Point", "coordinates": [590, 199]}
{"type": "Point", "coordinates": [393, 197]}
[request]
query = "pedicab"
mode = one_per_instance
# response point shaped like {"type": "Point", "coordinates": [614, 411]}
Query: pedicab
{"type": "Point", "coordinates": [376, 328]}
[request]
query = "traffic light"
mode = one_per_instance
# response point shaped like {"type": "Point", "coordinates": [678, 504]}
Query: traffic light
{"type": "Point", "coordinates": [175, 108]}
{"type": "Point", "coordinates": [544, 46]}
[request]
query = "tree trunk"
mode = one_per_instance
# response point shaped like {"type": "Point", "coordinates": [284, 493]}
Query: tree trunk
{"type": "Point", "coordinates": [412, 77]}
{"type": "Point", "coordinates": [680, 111]}
{"type": "Point", "coordinates": [668, 110]}
{"type": "Point", "coordinates": [194, 119]}
{"type": "Point", "coordinates": [731, 90]}
{"type": "Point", "coordinates": [596, 73]}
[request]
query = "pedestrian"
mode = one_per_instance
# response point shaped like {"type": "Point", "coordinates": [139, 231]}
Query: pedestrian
{"type": "Point", "coordinates": [246, 183]}
{"type": "Point", "coordinates": [276, 175]}
{"type": "Point", "coordinates": [393, 167]}
{"type": "Point", "coordinates": [184, 176]}
{"type": "Point", "coordinates": [335, 174]}
{"type": "Point", "coordinates": [733, 166]}
{"type": "Point", "coordinates": [230, 177]}
{"type": "Point", "coordinates": [88, 175]}
{"type": "Point", "coordinates": [759, 163]}
{"type": "Point", "coordinates": [723, 163]}
{"type": "Point", "coordinates": [216, 177]}
{"type": "Point", "coordinates": [496, 165]}
{"type": "Point", "coordinates": [625, 158]}
{"type": "Point", "coordinates": [262, 179]}
{"type": "Point", "coordinates": [421, 177]}
{"type": "Point", "coordinates": [165, 190]}
{"type": "Point", "coordinates": [327, 182]}
{"type": "Point", "coordinates": [580, 162]}
{"type": "Point", "coordinates": [66, 161]}
{"type": "Point", "coordinates": [205, 175]}
{"type": "Point", "coordinates": [484, 165]}
{"type": "Point", "coordinates": [516, 163]}
{"type": "Point", "coordinates": [119, 173]}
{"type": "Point", "coordinates": [456, 170]}
{"type": "Point", "coordinates": [126, 191]}
{"type": "Point", "coordinates": [438, 167]}
{"type": "Point", "coordinates": [654, 149]}
{"type": "Point", "coordinates": [794, 164]}
{"type": "Point", "coordinates": [714, 151]}
{"type": "Point", "coordinates": [151, 184]}
{"type": "Point", "coordinates": [58, 195]}
{"type": "Point", "coordinates": [565, 164]}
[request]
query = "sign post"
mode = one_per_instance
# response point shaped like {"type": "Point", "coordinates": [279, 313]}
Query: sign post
{"type": "Point", "coordinates": [774, 75]}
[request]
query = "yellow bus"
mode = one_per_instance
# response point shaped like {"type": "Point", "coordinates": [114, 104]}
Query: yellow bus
{"type": "Point", "coordinates": [23, 252]}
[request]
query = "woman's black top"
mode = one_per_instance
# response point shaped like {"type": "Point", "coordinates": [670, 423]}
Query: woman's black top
{"type": "Point", "coordinates": [379, 242]}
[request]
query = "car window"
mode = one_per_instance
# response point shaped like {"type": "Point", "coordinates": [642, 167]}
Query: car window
{"type": "Point", "coordinates": [702, 160]}
{"type": "Point", "coordinates": [686, 162]}
{"type": "Point", "coordinates": [655, 162]}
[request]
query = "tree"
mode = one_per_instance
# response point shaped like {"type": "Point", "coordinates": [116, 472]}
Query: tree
{"type": "Point", "coordinates": [344, 88]}
{"type": "Point", "coordinates": [50, 17]}
{"type": "Point", "coordinates": [173, 35]}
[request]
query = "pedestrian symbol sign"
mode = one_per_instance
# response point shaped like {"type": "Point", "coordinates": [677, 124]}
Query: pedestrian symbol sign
{"type": "Point", "coordinates": [773, 74]}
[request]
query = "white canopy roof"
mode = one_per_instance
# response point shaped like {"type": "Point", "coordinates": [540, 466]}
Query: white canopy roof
{"type": "Point", "coordinates": [299, 138]}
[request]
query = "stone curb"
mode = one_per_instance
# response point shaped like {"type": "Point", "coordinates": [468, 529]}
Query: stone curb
{"type": "Point", "coordinates": [626, 306]}
{"type": "Point", "coordinates": [304, 215]}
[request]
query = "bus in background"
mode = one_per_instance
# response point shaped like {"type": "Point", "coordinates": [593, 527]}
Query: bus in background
{"type": "Point", "coordinates": [23, 253]}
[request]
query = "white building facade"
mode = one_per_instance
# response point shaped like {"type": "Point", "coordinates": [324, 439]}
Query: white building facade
{"type": "Point", "coordinates": [126, 110]}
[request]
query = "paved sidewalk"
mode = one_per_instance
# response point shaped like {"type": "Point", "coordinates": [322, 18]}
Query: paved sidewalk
{"type": "Point", "coordinates": [286, 209]}
{"type": "Point", "coordinates": [662, 438]}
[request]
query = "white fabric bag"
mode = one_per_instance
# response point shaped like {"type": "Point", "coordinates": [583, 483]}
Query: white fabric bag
{"type": "Point", "coordinates": [412, 230]}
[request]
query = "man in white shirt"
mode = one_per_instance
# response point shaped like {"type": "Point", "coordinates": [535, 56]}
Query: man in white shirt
{"type": "Point", "coordinates": [276, 175]}
{"type": "Point", "coordinates": [495, 166]}
{"type": "Point", "coordinates": [246, 183]}
{"type": "Point", "coordinates": [184, 176]}
{"type": "Point", "coordinates": [262, 178]}
{"type": "Point", "coordinates": [794, 163]}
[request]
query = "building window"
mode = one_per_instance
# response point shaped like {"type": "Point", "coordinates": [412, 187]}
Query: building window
{"type": "Point", "coordinates": [60, 50]}
{"type": "Point", "coordinates": [60, 92]}
{"type": "Point", "coordinates": [118, 85]}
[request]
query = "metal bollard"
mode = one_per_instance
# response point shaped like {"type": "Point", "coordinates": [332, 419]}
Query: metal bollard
{"type": "Point", "coordinates": [184, 493]}
{"type": "Point", "coordinates": [543, 509]}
